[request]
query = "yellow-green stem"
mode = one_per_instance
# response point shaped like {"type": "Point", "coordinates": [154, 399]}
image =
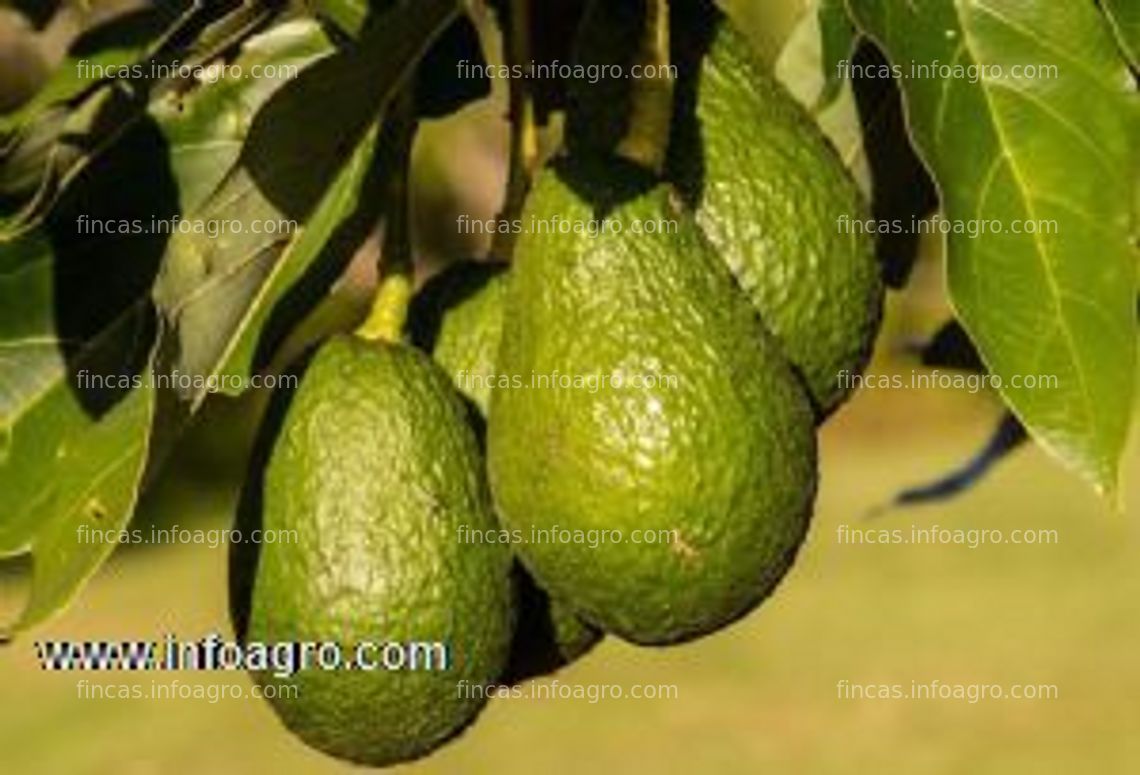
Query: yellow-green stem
{"type": "Point", "coordinates": [389, 311]}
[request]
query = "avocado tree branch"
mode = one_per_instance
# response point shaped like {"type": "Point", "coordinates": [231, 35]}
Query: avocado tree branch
{"type": "Point", "coordinates": [524, 132]}
{"type": "Point", "coordinates": [396, 271]}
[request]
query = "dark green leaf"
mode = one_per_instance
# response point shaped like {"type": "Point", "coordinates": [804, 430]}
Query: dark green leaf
{"type": "Point", "coordinates": [304, 160]}
{"type": "Point", "coordinates": [1007, 436]}
{"type": "Point", "coordinates": [347, 15]}
{"type": "Point", "coordinates": [80, 417]}
{"type": "Point", "coordinates": [837, 43]}
{"type": "Point", "coordinates": [950, 347]}
{"type": "Point", "coordinates": [1125, 18]}
{"type": "Point", "coordinates": [76, 402]}
{"type": "Point", "coordinates": [106, 51]}
{"type": "Point", "coordinates": [53, 145]}
{"type": "Point", "coordinates": [207, 127]}
{"type": "Point", "coordinates": [901, 188]}
{"type": "Point", "coordinates": [53, 150]}
{"type": "Point", "coordinates": [441, 87]}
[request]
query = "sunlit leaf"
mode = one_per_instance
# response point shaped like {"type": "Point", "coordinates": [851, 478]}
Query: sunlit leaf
{"type": "Point", "coordinates": [302, 165]}
{"type": "Point", "coordinates": [1049, 163]}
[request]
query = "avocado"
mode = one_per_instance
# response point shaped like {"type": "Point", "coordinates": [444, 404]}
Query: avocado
{"type": "Point", "coordinates": [549, 634]}
{"type": "Point", "coordinates": [768, 189]}
{"type": "Point", "coordinates": [650, 398]}
{"type": "Point", "coordinates": [375, 468]}
{"type": "Point", "coordinates": [457, 316]}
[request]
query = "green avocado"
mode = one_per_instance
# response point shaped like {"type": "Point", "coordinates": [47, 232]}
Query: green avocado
{"type": "Point", "coordinates": [768, 189]}
{"type": "Point", "coordinates": [457, 316]}
{"type": "Point", "coordinates": [376, 469]}
{"type": "Point", "coordinates": [549, 634]}
{"type": "Point", "coordinates": [649, 398]}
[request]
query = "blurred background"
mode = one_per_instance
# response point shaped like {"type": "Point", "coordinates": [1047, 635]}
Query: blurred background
{"type": "Point", "coordinates": [761, 695]}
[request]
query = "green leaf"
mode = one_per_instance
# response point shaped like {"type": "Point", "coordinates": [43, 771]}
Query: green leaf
{"type": "Point", "coordinates": [768, 24]}
{"type": "Point", "coordinates": [1125, 18]}
{"type": "Point", "coordinates": [53, 150]}
{"type": "Point", "coordinates": [106, 51]}
{"type": "Point", "coordinates": [55, 142]}
{"type": "Point", "coordinates": [440, 89]}
{"type": "Point", "coordinates": [73, 475]}
{"type": "Point", "coordinates": [304, 161]}
{"type": "Point", "coordinates": [76, 404]}
{"type": "Point", "coordinates": [203, 132]}
{"type": "Point", "coordinates": [218, 296]}
{"type": "Point", "coordinates": [1005, 149]}
{"type": "Point", "coordinates": [24, 158]}
{"type": "Point", "coordinates": [30, 361]}
{"type": "Point", "coordinates": [837, 35]}
{"type": "Point", "coordinates": [81, 420]}
{"type": "Point", "coordinates": [207, 127]}
{"type": "Point", "coordinates": [902, 190]}
{"type": "Point", "coordinates": [347, 15]}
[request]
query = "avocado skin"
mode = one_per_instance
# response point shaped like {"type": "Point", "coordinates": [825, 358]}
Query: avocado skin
{"type": "Point", "coordinates": [816, 282]}
{"type": "Point", "coordinates": [768, 189]}
{"type": "Point", "coordinates": [376, 468]}
{"type": "Point", "coordinates": [458, 317]}
{"type": "Point", "coordinates": [724, 454]}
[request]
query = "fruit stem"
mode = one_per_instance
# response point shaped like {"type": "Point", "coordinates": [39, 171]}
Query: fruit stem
{"type": "Point", "coordinates": [647, 138]}
{"type": "Point", "coordinates": [524, 132]}
{"type": "Point", "coordinates": [396, 272]}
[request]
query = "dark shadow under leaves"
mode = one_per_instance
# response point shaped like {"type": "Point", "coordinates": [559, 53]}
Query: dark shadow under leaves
{"type": "Point", "coordinates": [108, 234]}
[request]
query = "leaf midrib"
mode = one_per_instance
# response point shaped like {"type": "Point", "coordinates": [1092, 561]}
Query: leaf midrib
{"type": "Point", "coordinates": [1007, 150]}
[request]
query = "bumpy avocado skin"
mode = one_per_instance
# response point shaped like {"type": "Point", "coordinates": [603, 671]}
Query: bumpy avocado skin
{"type": "Point", "coordinates": [768, 189]}
{"type": "Point", "coordinates": [792, 233]}
{"type": "Point", "coordinates": [719, 449]}
{"type": "Point", "coordinates": [375, 467]}
{"type": "Point", "coordinates": [458, 317]}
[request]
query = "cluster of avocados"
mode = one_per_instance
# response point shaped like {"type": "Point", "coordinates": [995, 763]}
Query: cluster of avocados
{"type": "Point", "coordinates": [725, 334]}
